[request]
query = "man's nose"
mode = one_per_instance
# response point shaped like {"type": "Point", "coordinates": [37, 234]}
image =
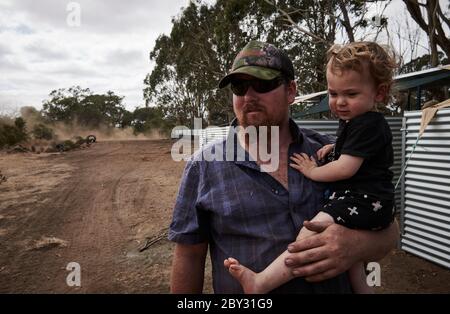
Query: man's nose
{"type": "Point", "coordinates": [251, 93]}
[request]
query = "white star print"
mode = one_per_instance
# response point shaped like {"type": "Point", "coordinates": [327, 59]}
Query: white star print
{"type": "Point", "coordinates": [353, 210]}
{"type": "Point", "coordinates": [347, 191]}
{"type": "Point", "coordinates": [376, 206]}
{"type": "Point", "coordinates": [340, 219]}
{"type": "Point", "coordinates": [341, 198]}
{"type": "Point", "coordinates": [332, 196]}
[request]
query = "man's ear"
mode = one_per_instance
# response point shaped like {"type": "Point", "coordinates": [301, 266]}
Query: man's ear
{"type": "Point", "coordinates": [291, 91]}
{"type": "Point", "coordinates": [382, 92]}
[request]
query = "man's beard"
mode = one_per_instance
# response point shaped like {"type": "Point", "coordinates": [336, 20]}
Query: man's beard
{"type": "Point", "coordinates": [263, 118]}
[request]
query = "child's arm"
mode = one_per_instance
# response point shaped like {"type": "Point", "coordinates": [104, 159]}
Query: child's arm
{"type": "Point", "coordinates": [343, 168]}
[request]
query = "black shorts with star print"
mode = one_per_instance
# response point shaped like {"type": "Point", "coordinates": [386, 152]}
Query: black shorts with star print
{"type": "Point", "coordinates": [359, 211]}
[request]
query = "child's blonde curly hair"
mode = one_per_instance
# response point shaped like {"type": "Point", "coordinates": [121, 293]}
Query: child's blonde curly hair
{"type": "Point", "coordinates": [381, 61]}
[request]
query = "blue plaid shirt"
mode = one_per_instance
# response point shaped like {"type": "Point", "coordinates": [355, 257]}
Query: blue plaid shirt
{"type": "Point", "coordinates": [247, 214]}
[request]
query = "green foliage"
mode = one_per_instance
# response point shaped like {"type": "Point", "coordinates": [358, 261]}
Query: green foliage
{"type": "Point", "coordinates": [127, 119]}
{"type": "Point", "coordinates": [69, 145]}
{"type": "Point", "coordinates": [79, 140]}
{"type": "Point", "coordinates": [20, 124]}
{"type": "Point", "coordinates": [42, 132]}
{"type": "Point", "coordinates": [190, 62]}
{"type": "Point", "coordinates": [81, 106]}
{"type": "Point", "coordinates": [12, 134]}
{"type": "Point", "coordinates": [150, 118]}
{"type": "Point", "coordinates": [205, 39]}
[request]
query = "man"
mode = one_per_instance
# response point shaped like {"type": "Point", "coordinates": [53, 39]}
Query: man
{"type": "Point", "coordinates": [240, 211]}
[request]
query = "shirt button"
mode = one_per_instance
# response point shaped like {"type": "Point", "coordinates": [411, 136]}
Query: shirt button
{"type": "Point", "coordinates": [275, 191]}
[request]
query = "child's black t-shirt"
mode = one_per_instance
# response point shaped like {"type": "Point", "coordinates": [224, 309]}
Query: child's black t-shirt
{"type": "Point", "coordinates": [367, 136]}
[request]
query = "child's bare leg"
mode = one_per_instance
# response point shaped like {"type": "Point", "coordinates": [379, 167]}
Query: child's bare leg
{"type": "Point", "coordinates": [358, 279]}
{"type": "Point", "coordinates": [276, 274]}
{"type": "Point", "coordinates": [321, 217]}
{"type": "Point", "coordinates": [273, 276]}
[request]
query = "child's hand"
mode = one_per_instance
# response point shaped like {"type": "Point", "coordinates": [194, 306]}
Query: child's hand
{"type": "Point", "coordinates": [324, 151]}
{"type": "Point", "coordinates": [303, 163]}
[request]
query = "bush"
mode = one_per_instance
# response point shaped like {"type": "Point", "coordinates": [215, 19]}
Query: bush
{"type": "Point", "coordinates": [42, 132]}
{"type": "Point", "coordinates": [79, 140]}
{"type": "Point", "coordinates": [20, 124]}
{"type": "Point", "coordinates": [12, 134]}
{"type": "Point", "coordinates": [69, 145]}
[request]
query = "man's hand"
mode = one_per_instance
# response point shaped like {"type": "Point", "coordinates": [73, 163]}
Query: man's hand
{"type": "Point", "coordinates": [303, 163]}
{"type": "Point", "coordinates": [335, 248]}
{"type": "Point", "coordinates": [324, 151]}
{"type": "Point", "coordinates": [323, 255]}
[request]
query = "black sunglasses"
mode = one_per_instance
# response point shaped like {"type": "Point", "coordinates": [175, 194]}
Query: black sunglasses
{"type": "Point", "coordinates": [240, 87]}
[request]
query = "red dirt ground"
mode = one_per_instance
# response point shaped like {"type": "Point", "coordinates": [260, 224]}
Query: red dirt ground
{"type": "Point", "coordinates": [97, 206]}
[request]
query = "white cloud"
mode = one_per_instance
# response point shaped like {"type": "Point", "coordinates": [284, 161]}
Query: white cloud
{"type": "Point", "coordinates": [39, 52]}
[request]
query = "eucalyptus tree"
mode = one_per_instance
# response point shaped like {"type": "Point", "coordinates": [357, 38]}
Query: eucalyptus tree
{"type": "Point", "coordinates": [204, 40]}
{"type": "Point", "coordinates": [435, 22]}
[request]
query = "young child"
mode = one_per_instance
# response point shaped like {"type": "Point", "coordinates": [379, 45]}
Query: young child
{"type": "Point", "coordinates": [359, 76]}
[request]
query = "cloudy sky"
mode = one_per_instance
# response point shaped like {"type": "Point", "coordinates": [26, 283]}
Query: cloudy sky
{"type": "Point", "coordinates": [42, 48]}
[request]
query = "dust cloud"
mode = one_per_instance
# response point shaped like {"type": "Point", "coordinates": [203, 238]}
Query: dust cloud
{"type": "Point", "coordinates": [67, 131]}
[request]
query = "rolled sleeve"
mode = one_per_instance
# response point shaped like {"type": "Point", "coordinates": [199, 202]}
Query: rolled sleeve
{"type": "Point", "coordinates": [188, 223]}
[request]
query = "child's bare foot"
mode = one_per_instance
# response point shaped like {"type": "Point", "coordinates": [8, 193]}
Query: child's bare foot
{"type": "Point", "coordinates": [246, 277]}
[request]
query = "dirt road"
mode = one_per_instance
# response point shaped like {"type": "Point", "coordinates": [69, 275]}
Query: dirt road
{"type": "Point", "coordinates": [94, 207]}
{"type": "Point", "coordinates": [97, 206]}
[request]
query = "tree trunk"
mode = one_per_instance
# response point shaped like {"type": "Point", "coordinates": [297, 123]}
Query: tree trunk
{"type": "Point", "coordinates": [431, 13]}
{"type": "Point", "coordinates": [434, 24]}
{"type": "Point", "coordinates": [346, 21]}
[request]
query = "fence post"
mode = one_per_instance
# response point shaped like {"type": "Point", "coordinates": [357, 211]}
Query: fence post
{"type": "Point", "coordinates": [402, 182]}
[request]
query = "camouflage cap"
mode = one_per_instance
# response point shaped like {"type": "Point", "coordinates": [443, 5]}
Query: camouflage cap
{"type": "Point", "coordinates": [261, 60]}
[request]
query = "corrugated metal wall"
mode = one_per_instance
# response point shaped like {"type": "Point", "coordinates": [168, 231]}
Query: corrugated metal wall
{"type": "Point", "coordinates": [426, 186]}
{"type": "Point", "coordinates": [328, 127]}
{"type": "Point", "coordinates": [211, 134]}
